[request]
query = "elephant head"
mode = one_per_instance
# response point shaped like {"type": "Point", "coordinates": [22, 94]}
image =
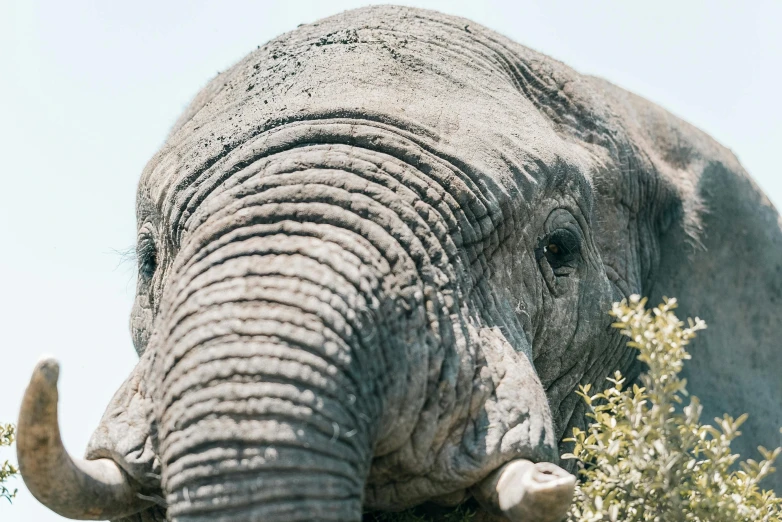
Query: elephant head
{"type": "Point", "coordinates": [375, 260]}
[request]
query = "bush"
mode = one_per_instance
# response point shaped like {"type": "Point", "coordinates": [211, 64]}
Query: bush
{"type": "Point", "coordinates": [7, 470]}
{"type": "Point", "coordinates": [646, 457]}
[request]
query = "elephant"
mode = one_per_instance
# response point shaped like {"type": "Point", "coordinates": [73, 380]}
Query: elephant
{"type": "Point", "coordinates": [375, 260]}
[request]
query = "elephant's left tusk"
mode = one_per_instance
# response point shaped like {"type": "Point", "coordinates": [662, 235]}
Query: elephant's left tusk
{"type": "Point", "coordinates": [77, 489]}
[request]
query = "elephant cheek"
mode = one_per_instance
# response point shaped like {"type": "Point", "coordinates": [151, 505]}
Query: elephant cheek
{"type": "Point", "coordinates": [141, 323]}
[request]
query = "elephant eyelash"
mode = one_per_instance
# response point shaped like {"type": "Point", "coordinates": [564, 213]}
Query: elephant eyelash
{"type": "Point", "coordinates": [146, 253]}
{"type": "Point", "coordinates": [126, 255]}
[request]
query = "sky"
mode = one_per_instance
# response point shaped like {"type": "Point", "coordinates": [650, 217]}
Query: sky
{"type": "Point", "coordinates": [89, 90]}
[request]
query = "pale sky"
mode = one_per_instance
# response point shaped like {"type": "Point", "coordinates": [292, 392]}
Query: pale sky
{"type": "Point", "coordinates": [89, 89]}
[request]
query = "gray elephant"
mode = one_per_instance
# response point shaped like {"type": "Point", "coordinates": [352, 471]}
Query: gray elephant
{"type": "Point", "coordinates": [375, 261]}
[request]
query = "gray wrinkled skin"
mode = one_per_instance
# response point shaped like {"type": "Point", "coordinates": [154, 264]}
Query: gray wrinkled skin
{"type": "Point", "coordinates": [376, 257]}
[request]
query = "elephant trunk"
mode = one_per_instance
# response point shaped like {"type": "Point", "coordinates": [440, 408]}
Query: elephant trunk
{"type": "Point", "coordinates": [273, 371]}
{"type": "Point", "coordinates": [255, 433]}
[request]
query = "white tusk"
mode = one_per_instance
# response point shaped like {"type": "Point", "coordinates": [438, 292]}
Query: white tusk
{"type": "Point", "coordinates": [526, 491]}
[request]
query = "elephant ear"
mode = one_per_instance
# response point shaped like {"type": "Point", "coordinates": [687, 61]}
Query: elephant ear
{"type": "Point", "coordinates": [719, 252]}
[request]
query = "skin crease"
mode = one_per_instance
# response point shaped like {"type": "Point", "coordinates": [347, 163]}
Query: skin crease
{"type": "Point", "coordinates": [375, 261]}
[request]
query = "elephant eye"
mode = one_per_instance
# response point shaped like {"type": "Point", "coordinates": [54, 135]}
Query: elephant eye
{"type": "Point", "coordinates": [147, 257]}
{"type": "Point", "coordinates": [561, 248]}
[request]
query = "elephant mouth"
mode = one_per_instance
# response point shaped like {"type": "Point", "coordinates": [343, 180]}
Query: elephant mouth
{"type": "Point", "coordinates": [101, 489]}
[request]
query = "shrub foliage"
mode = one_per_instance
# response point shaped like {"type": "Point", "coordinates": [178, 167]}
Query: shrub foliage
{"type": "Point", "coordinates": [645, 456]}
{"type": "Point", "coordinates": [7, 470]}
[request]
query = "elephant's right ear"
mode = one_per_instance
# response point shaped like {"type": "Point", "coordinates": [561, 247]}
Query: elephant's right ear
{"type": "Point", "coordinates": [721, 257]}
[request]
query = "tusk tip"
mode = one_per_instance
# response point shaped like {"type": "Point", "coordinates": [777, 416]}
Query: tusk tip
{"type": "Point", "coordinates": [48, 368]}
{"type": "Point", "coordinates": [39, 404]}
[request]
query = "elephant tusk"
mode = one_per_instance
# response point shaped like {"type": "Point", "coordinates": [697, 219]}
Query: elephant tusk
{"type": "Point", "coordinates": [74, 488]}
{"type": "Point", "coordinates": [526, 491]}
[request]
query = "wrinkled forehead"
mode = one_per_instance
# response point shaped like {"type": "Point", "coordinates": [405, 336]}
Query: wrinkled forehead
{"type": "Point", "coordinates": [454, 85]}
